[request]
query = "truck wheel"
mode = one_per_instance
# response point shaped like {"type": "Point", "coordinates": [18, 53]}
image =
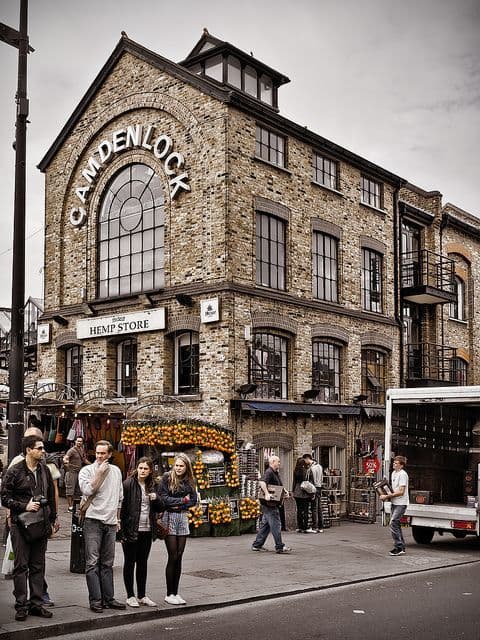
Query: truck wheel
{"type": "Point", "coordinates": [422, 535]}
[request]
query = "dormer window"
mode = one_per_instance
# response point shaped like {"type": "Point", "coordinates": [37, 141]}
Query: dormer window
{"type": "Point", "coordinates": [234, 72]}
{"type": "Point", "coordinates": [222, 62]}
{"type": "Point", "coordinates": [214, 68]}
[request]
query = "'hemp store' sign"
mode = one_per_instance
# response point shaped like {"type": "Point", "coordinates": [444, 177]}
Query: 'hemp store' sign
{"type": "Point", "coordinates": [120, 324]}
{"type": "Point", "coordinates": [134, 136]}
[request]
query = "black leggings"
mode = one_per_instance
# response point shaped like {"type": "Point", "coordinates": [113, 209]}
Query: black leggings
{"type": "Point", "coordinates": [136, 553]}
{"type": "Point", "coordinates": [175, 548]}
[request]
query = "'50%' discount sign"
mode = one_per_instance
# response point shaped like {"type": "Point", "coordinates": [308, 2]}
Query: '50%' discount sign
{"type": "Point", "coordinates": [371, 465]}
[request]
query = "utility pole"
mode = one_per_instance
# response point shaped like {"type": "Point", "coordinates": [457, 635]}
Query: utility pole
{"type": "Point", "coordinates": [18, 39]}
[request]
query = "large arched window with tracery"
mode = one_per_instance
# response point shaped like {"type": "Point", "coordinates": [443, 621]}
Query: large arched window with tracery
{"type": "Point", "coordinates": [131, 233]}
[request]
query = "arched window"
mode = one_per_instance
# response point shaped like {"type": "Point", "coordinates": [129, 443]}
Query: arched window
{"type": "Point", "coordinates": [326, 370]}
{"type": "Point", "coordinates": [374, 363]}
{"type": "Point", "coordinates": [73, 368]}
{"type": "Point", "coordinates": [458, 371]}
{"type": "Point", "coordinates": [269, 365]}
{"type": "Point", "coordinates": [186, 363]}
{"type": "Point", "coordinates": [131, 233]}
{"type": "Point", "coordinates": [457, 308]}
{"type": "Point", "coordinates": [126, 376]}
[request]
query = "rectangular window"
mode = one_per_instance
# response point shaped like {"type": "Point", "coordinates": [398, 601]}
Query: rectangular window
{"type": "Point", "coordinates": [372, 280]}
{"type": "Point", "coordinates": [270, 251]}
{"type": "Point", "coordinates": [325, 266]}
{"type": "Point", "coordinates": [374, 375]}
{"type": "Point", "coordinates": [268, 365]}
{"type": "Point", "coordinates": [187, 363]}
{"type": "Point", "coordinates": [326, 370]}
{"type": "Point", "coordinates": [325, 171]}
{"type": "Point", "coordinates": [372, 193]}
{"type": "Point", "coordinates": [73, 369]}
{"type": "Point", "coordinates": [127, 368]}
{"type": "Point", "coordinates": [270, 146]}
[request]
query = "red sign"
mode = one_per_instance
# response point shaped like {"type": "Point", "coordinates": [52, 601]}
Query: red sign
{"type": "Point", "coordinates": [371, 465]}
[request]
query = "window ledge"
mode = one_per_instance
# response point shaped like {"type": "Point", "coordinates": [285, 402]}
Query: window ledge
{"type": "Point", "coordinates": [271, 164]}
{"type": "Point", "coordinates": [457, 320]}
{"type": "Point", "coordinates": [194, 397]}
{"type": "Point", "coordinates": [370, 206]}
{"type": "Point", "coordinates": [327, 188]}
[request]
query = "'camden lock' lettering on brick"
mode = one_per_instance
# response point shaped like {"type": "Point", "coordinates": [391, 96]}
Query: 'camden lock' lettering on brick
{"type": "Point", "coordinates": [133, 136]}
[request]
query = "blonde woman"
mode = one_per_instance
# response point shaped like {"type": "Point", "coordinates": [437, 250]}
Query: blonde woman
{"type": "Point", "coordinates": [178, 493]}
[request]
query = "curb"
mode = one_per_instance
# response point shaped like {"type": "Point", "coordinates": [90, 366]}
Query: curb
{"type": "Point", "coordinates": [120, 619]}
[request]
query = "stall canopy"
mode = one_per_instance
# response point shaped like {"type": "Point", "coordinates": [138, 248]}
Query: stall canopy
{"type": "Point", "coordinates": [299, 408]}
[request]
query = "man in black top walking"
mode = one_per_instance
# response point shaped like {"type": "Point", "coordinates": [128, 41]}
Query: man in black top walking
{"type": "Point", "coordinates": [271, 522]}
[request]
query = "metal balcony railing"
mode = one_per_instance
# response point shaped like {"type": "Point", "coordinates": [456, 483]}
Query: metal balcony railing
{"type": "Point", "coordinates": [429, 361]}
{"type": "Point", "coordinates": [428, 269]}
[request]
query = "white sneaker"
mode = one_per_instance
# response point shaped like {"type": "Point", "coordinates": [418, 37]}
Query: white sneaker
{"type": "Point", "coordinates": [147, 602]}
{"type": "Point", "coordinates": [171, 599]}
{"type": "Point", "coordinates": [180, 600]}
{"type": "Point", "coordinates": [132, 602]}
{"type": "Point", "coordinates": [312, 530]}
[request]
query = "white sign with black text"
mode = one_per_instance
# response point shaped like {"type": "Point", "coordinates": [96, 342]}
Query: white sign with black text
{"type": "Point", "coordinates": [119, 324]}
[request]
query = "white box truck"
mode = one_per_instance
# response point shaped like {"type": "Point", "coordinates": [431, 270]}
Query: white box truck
{"type": "Point", "coordinates": [438, 430]}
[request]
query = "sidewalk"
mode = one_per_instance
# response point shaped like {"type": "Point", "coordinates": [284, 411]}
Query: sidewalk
{"type": "Point", "coordinates": [223, 571]}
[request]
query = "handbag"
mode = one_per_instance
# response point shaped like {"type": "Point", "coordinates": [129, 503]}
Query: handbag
{"type": "Point", "coordinates": [308, 486]}
{"type": "Point", "coordinates": [161, 530]}
{"type": "Point", "coordinates": [34, 525]}
{"type": "Point", "coordinates": [277, 494]}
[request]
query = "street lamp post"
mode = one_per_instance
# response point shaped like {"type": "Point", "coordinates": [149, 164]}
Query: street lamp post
{"type": "Point", "coordinates": [18, 39]}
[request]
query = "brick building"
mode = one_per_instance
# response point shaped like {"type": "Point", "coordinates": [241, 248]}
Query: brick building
{"type": "Point", "coordinates": [201, 246]}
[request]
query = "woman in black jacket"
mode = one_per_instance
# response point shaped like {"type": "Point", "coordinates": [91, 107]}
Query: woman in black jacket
{"type": "Point", "coordinates": [140, 501]}
{"type": "Point", "coordinates": [178, 493]}
{"type": "Point", "coordinates": [302, 498]}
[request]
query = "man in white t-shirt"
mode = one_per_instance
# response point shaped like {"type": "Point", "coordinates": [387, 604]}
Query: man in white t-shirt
{"type": "Point", "coordinates": [400, 501]}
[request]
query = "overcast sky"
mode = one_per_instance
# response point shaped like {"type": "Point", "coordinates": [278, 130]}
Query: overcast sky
{"type": "Point", "coordinates": [396, 82]}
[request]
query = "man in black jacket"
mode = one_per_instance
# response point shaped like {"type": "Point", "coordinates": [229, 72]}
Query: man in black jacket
{"type": "Point", "coordinates": [271, 522]}
{"type": "Point", "coordinates": [28, 486]}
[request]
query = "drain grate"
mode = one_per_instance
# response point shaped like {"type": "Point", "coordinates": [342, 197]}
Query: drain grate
{"type": "Point", "coordinates": [212, 574]}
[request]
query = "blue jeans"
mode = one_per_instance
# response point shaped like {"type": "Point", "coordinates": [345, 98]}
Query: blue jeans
{"type": "Point", "coordinates": [396, 513]}
{"type": "Point", "coordinates": [99, 557]}
{"type": "Point", "coordinates": [271, 523]}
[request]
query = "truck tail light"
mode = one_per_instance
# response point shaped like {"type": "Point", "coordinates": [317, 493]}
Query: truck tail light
{"type": "Point", "coordinates": [467, 525]}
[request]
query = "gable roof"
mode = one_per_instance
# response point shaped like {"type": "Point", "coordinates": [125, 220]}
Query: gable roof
{"type": "Point", "coordinates": [223, 93]}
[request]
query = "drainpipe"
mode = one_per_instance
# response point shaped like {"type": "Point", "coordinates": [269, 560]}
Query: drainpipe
{"type": "Point", "coordinates": [396, 280]}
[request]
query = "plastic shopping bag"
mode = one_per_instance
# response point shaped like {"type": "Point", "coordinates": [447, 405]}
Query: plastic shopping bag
{"type": "Point", "coordinates": [7, 566]}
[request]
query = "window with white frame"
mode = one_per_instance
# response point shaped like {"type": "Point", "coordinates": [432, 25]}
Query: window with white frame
{"type": "Point", "coordinates": [269, 146]}
{"type": "Point", "coordinates": [325, 171]}
{"type": "Point", "coordinates": [186, 363]}
{"type": "Point", "coordinates": [73, 368]}
{"type": "Point", "coordinates": [126, 374]}
{"type": "Point", "coordinates": [372, 276]}
{"type": "Point", "coordinates": [457, 308]}
{"type": "Point", "coordinates": [325, 266]}
{"type": "Point", "coordinates": [372, 192]}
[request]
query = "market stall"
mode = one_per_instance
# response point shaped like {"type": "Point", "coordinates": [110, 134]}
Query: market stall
{"type": "Point", "coordinates": [227, 504]}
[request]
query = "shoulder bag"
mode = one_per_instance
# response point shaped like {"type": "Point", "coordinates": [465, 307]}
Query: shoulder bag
{"type": "Point", "coordinates": [86, 502]}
